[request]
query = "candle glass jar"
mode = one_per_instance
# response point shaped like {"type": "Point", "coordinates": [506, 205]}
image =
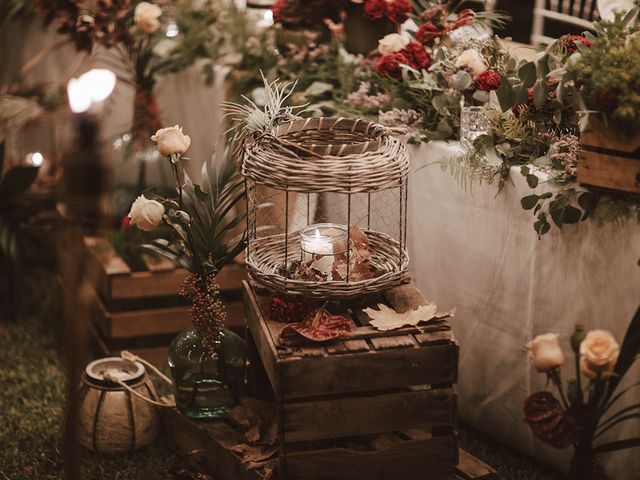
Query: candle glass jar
{"type": "Point", "coordinates": [473, 123]}
{"type": "Point", "coordinates": [322, 243]}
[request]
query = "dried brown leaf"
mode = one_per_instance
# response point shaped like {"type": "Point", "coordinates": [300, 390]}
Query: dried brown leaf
{"type": "Point", "coordinates": [388, 319]}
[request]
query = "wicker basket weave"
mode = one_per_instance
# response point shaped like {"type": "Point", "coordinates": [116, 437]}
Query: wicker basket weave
{"type": "Point", "coordinates": [318, 155]}
{"type": "Point", "coordinates": [326, 155]}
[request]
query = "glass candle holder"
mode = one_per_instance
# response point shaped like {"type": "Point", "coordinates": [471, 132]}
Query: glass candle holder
{"type": "Point", "coordinates": [473, 123]}
{"type": "Point", "coordinates": [320, 243]}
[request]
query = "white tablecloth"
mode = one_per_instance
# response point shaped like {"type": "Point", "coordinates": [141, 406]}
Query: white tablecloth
{"type": "Point", "coordinates": [479, 252]}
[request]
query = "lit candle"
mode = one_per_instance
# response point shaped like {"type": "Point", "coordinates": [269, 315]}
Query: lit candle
{"type": "Point", "coordinates": [319, 244]}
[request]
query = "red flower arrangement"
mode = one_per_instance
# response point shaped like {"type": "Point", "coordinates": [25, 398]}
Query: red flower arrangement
{"type": "Point", "coordinates": [488, 81]}
{"type": "Point", "coordinates": [397, 11]}
{"type": "Point", "coordinates": [413, 55]}
{"type": "Point", "coordinates": [569, 42]}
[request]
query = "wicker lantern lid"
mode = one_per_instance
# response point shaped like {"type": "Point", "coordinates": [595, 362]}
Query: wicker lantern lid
{"type": "Point", "coordinates": [339, 155]}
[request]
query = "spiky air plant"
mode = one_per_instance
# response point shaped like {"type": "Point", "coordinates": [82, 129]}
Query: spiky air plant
{"type": "Point", "coordinates": [250, 118]}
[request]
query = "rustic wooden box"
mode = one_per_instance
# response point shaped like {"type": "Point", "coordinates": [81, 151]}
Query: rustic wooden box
{"type": "Point", "coordinates": [399, 383]}
{"type": "Point", "coordinates": [141, 311]}
{"type": "Point", "coordinates": [610, 159]}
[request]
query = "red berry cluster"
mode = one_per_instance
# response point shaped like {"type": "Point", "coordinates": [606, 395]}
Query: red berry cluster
{"type": "Point", "coordinates": [207, 311]}
{"type": "Point", "coordinates": [290, 309]}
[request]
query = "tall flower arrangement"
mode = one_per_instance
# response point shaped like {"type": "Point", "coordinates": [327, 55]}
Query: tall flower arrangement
{"type": "Point", "coordinates": [203, 221]}
{"type": "Point", "coordinates": [584, 412]}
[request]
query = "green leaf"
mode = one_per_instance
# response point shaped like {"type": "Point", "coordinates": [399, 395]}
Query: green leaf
{"type": "Point", "coordinates": [571, 215]}
{"type": "Point", "coordinates": [546, 195]}
{"type": "Point", "coordinates": [542, 226]}
{"type": "Point", "coordinates": [461, 80]}
{"type": "Point", "coordinates": [17, 180]}
{"type": "Point", "coordinates": [505, 93]}
{"type": "Point", "coordinates": [532, 180]}
{"type": "Point", "coordinates": [618, 445]}
{"type": "Point", "coordinates": [529, 201]}
{"type": "Point", "coordinates": [524, 170]}
{"type": "Point", "coordinates": [540, 93]}
{"type": "Point", "coordinates": [521, 95]}
{"type": "Point", "coordinates": [588, 201]}
{"type": "Point", "coordinates": [527, 74]}
{"type": "Point", "coordinates": [543, 66]}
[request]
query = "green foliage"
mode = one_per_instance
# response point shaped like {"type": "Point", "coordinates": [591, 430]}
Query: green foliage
{"type": "Point", "coordinates": [608, 73]}
{"type": "Point", "coordinates": [205, 220]}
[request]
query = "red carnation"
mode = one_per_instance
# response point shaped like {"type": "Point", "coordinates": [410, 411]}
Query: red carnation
{"type": "Point", "coordinates": [570, 42]}
{"type": "Point", "coordinates": [398, 11]}
{"type": "Point", "coordinates": [427, 33]}
{"type": "Point", "coordinates": [375, 9]}
{"type": "Point", "coordinates": [389, 65]}
{"type": "Point", "coordinates": [417, 55]}
{"type": "Point", "coordinates": [488, 80]}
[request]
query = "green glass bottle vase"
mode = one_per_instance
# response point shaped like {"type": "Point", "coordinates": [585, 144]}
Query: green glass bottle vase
{"type": "Point", "coordinates": [207, 387]}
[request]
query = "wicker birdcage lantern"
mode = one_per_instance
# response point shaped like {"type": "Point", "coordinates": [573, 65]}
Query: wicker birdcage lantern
{"type": "Point", "coordinates": [327, 203]}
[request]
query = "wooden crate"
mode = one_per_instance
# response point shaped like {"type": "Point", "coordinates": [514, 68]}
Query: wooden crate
{"type": "Point", "coordinates": [141, 311]}
{"type": "Point", "coordinates": [216, 445]}
{"type": "Point", "coordinates": [610, 159]}
{"type": "Point", "coordinates": [369, 383]}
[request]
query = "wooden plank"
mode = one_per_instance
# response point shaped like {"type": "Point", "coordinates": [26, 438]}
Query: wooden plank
{"type": "Point", "coordinates": [352, 416]}
{"type": "Point", "coordinates": [103, 252]}
{"type": "Point", "coordinates": [411, 460]}
{"type": "Point", "coordinates": [156, 355]}
{"type": "Point", "coordinates": [611, 138]}
{"type": "Point", "coordinates": [470, 468]}
{"type": "Point", "coordinates": [609, 171]}
{"type": "Point", "coordinates": [355, 346]}
{"type": "Point", "coordinates": [142, 323]}
{"type": "Point", "coordinates": [388, 343]}
{"type": "Point", "coordinates": [147, 284]}
{"type": "Point", "coordinates": [262, 338]}
{"type": "Point", "coordinates": [213, 439]}
{"type": "Point", "coordinates": [367, 372]}
{"type": "Point", "coordinates": [434, 338]}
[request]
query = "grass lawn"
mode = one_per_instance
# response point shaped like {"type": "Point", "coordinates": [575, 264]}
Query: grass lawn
{"type": "Point", "coordinates": [32, 380]}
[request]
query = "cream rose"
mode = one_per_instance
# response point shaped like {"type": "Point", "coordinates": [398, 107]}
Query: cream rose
{"type": "Point", "coordinates": [394, 42]}
{"type": "Point", "coordinates": [546, 352]}
{"type": "Point", "coordinates": [599, 353]}
{"type": "Point", "coordinates": [146, 214]}
{"type": "Point", "coordinates": [472, 60]}
{"type": "Point", "coordinates": [145, 16]}
{"type": "Point", "coordinates": [171, 141]}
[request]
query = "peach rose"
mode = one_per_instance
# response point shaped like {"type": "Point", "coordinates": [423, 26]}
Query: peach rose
{"type": "Point", "coordinates": [599, 353]}
{"type": "Point", "coordinates": [546, 352]}
{"type": "Point", "coordinates": [171, 141]}
{"type": "Point", "coordinates": [145, 16]}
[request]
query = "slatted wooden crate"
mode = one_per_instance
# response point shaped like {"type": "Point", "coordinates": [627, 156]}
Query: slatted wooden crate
{"type": "Point", "coordinates": [610, 159]}
{"type": "Point", "coordinates": [141, 310]}
{"type": "Point", "coordinates": [398, 383]}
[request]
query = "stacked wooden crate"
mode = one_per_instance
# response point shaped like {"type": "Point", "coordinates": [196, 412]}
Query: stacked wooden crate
{"type": "Point", "coordinates": [349, 392]}
{"type": "Point", "coordinates": [141, 311]}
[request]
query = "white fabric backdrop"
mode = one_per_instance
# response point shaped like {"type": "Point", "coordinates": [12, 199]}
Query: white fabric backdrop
{"type": "Point", "coordinates": [479, 252]}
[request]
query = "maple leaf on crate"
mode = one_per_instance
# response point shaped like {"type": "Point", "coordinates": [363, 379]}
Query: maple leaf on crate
{"type": "Point", "coordinates": [322, 327]}
{"type": "Point", "coordinates": [386, 318]}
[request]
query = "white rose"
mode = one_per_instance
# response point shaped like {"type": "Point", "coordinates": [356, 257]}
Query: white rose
{"type": "Point", "coordinates": [146, 214]}
{"type": "Point", "coordinates": [146, 16]}
{"type": "Point", "coordinates": [394, 42]}
{"type": "Point", "coordinates": [599, 351]}
{"type": "Point", "coordinates": [546, 352]}
{"type": "Point", "coordinates": [171, 140]}
{"type": "Point", "coordinates": [472, 60]}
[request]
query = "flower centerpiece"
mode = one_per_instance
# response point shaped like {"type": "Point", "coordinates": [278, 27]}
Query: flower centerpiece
{"type": "Point", "coordinates": [583, 414]}
{"type": "Point", "coordinates": [207, 361]}
{"type": "Point", "coordinates": [145, 40]}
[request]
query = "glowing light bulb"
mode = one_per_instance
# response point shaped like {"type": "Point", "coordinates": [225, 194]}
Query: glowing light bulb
{"type": "Point", "coordinates": [35, 159]}
{"type": "Point", "coordinates": [91, 88]}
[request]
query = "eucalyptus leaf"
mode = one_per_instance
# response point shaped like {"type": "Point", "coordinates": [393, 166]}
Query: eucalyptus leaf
{"type": "Point", "coordinates": [505, 93]}
{"type": "Point", "coordinates": [527, 74]}
{"type": "Point", "coordinates": [529, 202]}
{"type": "Point", "coordinates": [540, 93]}
{"type": "Point", "coordinates": [532, 180]}
{"type": "Point", "coordinates": [461, 80]}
